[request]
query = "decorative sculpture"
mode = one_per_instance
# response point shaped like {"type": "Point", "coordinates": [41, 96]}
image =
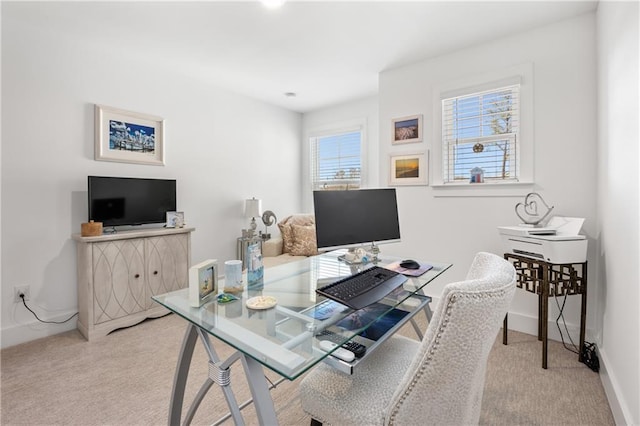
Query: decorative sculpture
{"type": "Point", "coordinates": [268, 218]}
{"type": "Point", "coordinates": [529, 209]}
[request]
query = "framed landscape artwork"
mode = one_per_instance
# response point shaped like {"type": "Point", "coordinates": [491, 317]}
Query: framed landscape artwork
{"type": "Point", "coordinates": [409, 169]}
{"type": "Point", "coordinates": [128, 137]}
{"type": "Point", "coordinates": [406, 129]}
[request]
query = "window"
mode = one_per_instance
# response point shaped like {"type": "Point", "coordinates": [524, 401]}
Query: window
{"type": "Point", "coordinates": [336, 160]}
{"type": "Point", "coordinates": [481, 130]}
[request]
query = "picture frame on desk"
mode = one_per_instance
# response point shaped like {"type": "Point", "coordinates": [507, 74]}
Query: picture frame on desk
{"type": "Point", "coordinates": [255, 268]}
{"type": "Point", "coordinates": [203, 282]}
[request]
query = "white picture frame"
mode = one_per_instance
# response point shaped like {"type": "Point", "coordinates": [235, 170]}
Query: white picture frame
{"type": "Point", "coordinates": [255, 267]}
{"type": "Point", "coordinates": [409, 169]}
{"type": "Point", "coordinates": [128, 137]}
{"type": "Point", "coordinates": [175, 220]}
{"type": "Point", "coordinates": [203, 282]}
{"type": "Point", "coordinates": [406, 129]}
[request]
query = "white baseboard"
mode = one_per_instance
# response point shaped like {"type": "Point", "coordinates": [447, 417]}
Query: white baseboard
{"type": "Point", "coordinates": [528, 324]}
{"type": "Point", "coordinates": [621, 413]}
{"type": "Point", "coordinates": [22, 333]}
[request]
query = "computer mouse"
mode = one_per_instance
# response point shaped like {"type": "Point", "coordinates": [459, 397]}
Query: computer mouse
{"type": "Point", "coordinates": [410, 264]}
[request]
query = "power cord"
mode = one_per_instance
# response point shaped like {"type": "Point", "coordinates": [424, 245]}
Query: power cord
{"type": "Point", "coordinates": [24, 302]}
{"type": "Point", "coordinates": [589, 354]}
{"type": "Point", "coordinates": [574, 348]}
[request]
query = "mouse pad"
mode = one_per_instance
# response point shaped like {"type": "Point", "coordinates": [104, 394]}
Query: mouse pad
{"type": "Point", "coordinates": [395, 266]}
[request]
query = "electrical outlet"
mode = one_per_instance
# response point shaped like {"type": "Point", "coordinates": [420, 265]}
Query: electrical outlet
{"type": "Point", "coordinates": [21, 289]}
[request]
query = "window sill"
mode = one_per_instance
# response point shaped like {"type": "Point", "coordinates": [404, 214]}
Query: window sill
{"type": "Point", "coordinates": [488, 189]}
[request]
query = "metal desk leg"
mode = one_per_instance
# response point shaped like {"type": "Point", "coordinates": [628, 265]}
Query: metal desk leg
{"type": "Point", "coordinates": [219, 373]}
{"type": "Point", "coordinates": [265, 409]}
{"type": "Point", "coordinates": [259, 391]}
{"type": "Point", "coordinates": [182, 371]}
{"type": "Point", "coordinates": [427, 312]}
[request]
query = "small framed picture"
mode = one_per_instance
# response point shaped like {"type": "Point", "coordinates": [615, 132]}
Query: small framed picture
{"type": "Point", "coordinates": [255, 268]}
{"type": "Point", "coordinates": [128, 137]}
{"type": "Point", "coordinates": [175, 220]}
{"type": "Point", "coordinates": [406, 129]}
{"type": "Point", "coordinates": [409, 169]}
{"type": "Point", "coordinates": [203, 282]}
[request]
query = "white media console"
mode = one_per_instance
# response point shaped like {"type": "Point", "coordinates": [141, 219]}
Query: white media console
{"type": "Point", "coordinates": [118, 273]}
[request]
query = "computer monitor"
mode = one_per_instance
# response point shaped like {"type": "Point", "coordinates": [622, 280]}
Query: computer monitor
{"type": "Point", "coordinates": [346, 219]}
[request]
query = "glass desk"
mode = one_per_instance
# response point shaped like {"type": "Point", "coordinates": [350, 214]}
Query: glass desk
{"type": "Point", "coordinates": [283, 338]}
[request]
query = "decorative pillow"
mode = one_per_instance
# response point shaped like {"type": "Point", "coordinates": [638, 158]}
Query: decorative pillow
{"type": "Point", "coordinates": [287, 233]}
{"type": "Point", "coordinates": [304, 240]}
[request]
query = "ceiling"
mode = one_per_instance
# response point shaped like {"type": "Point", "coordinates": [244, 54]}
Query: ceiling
{"type": "Point", "coordinates": [326, 52]}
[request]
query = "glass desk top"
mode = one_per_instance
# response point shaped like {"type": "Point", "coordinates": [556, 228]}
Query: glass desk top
{"type": "Point", "coordinates": [282, 338]}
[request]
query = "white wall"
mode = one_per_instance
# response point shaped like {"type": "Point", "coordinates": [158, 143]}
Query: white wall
{"type": "Point", "coordinates": [618, 213]}
{"type": "Point", "coordinates": [222, 148]}
{"type": "Point", "coordinates": [454, 228]}
{"type": "Point", "coordinates": [362, 110]}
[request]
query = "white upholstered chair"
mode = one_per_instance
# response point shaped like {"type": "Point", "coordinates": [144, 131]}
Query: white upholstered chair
{"type": "Point", "coordinates": [438, 380]}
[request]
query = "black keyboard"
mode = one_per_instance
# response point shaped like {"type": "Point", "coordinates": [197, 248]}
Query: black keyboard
{"type": "Point", "coordinates": [358, 349]}
{"type": "Point", "coordinates": [364, 288]}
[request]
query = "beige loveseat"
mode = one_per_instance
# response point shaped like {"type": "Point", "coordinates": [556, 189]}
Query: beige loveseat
{"type": "Point", "coordinates": [297, 240]}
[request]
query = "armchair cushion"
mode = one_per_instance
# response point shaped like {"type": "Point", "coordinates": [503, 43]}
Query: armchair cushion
{"type": "Point", "coordinates": [272, 247]}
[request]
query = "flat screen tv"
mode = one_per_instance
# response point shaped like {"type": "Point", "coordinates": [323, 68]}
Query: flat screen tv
{"type": "Point", "coordinates": [117, 201]}
{"type": "Point", "coordinates": [356, 217]}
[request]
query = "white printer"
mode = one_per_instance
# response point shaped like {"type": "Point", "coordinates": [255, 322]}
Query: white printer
{"type": "Point", "coordinates": [557, 242]}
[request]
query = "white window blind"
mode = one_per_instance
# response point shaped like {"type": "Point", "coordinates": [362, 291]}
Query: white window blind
{"type": "Point", "coordinates": [481, 130]}
{"type": "Point", "coordinates": [336, 161]}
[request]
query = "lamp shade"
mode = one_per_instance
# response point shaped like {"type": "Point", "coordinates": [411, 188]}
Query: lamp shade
{"type": "Point", "coordinates": [253, 208]}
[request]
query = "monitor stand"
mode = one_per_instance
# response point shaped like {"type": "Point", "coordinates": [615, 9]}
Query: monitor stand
{"type": "Point", "coordinates": [375, 251]}
{"type": "Point", "coordinates": [352, 258]}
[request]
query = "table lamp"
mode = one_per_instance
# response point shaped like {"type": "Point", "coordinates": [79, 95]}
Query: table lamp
{"type": "Point", "coordinates": [253, 209]}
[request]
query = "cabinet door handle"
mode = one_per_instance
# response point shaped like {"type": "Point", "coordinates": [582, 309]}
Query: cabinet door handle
{"type": "Point", "coordinates": [137, 275]}
{"type": "Point", "coordinates": [155, 272]}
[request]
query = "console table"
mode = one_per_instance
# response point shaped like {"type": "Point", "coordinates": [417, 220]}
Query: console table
{"type": "Point", "coordinates": [283, 338]}
{"type": "Point", "coordinates": [118, 273]}
{"type": "Point", "coordinates": [550, 280]}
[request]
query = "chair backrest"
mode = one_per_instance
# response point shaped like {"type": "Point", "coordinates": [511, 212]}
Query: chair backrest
{"type": "Point", "coordinates": [445, 382]}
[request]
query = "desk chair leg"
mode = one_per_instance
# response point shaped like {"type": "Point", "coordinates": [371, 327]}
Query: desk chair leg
{"type": "Point", "coordinates": [314, 422]}
{"type": "Point", "coordinates": [504, 329]}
